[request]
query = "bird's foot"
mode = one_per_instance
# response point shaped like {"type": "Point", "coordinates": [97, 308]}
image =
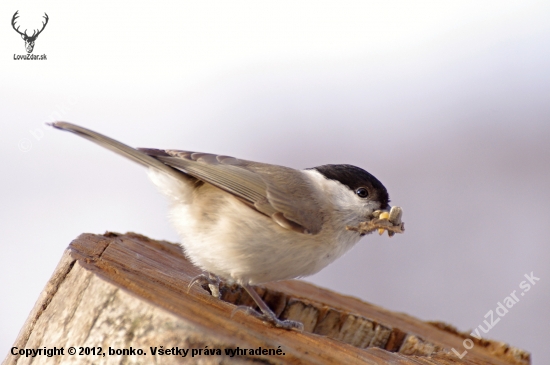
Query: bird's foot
{"type": "Point", "coordinates": [269, 317]}
{"type": "Point", "coordinates": [209, 279]}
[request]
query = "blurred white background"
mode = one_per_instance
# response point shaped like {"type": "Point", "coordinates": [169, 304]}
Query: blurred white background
{"type": "Point", "coordinates": [447, 103]}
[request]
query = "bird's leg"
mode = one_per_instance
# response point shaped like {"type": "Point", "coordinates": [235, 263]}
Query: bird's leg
{"type": "Point", "coordinates": [212, 280]}
{"type": "Point", "coordinates": [267, 314]}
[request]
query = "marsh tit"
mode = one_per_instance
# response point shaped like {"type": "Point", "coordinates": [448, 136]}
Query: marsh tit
{"type": "Point", "coordinates": [250, 222]}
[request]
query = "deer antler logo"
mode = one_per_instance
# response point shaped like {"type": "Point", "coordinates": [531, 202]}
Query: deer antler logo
{"type": "Point", "coordinates": [29, 40]}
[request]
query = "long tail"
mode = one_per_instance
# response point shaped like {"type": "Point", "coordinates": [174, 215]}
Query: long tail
{"type": "Point", "coordinates": [121, 149]}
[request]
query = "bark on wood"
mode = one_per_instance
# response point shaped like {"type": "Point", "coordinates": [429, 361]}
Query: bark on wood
{"type": "Point", "coordinates": [119, 292]}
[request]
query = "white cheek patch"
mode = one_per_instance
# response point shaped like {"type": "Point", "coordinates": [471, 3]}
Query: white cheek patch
{"type": "Point", "coordinates": [340, 198]}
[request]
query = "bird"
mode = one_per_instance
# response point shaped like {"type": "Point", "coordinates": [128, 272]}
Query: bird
{"type": "Point", "coordinates": [252, 223]}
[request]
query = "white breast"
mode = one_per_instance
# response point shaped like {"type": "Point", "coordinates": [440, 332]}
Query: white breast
{"type": "Point", "coordinates": [222, 235]}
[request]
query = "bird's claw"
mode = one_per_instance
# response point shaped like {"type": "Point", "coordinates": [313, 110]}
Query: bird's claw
{"type": "Point", "coordinates": [211, 280]}
{"type": "Point", "coordinates": [270, 318]}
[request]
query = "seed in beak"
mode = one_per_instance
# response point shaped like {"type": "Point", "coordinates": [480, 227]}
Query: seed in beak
{"type": "Point", "coordinates": [395, 215]}
{"type": "Point", "coordinates": [383, 215]}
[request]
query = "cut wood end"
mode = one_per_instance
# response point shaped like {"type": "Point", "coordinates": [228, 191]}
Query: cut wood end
{"type": "Point", "coordinates": [117, 289]}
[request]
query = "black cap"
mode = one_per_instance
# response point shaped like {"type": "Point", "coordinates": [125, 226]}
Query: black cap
{"type": "Point", "coordinates": [354, 178]}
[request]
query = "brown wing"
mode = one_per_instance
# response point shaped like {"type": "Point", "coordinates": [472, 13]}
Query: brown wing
{"type": "Point", "coordinates": [279, 192]}
{"type": "Point", "coordinates": [282, 193]}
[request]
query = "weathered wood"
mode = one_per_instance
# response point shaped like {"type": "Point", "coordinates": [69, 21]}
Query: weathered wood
{"type": "Point", "coordinates": [119, 292]}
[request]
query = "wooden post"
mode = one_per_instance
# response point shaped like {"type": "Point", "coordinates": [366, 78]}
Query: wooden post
{"type": "Point", "coordinates": [123, 299]}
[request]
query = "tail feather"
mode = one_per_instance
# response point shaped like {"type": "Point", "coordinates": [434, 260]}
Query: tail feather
{"type": "Point", "coordinates": [129, 152]}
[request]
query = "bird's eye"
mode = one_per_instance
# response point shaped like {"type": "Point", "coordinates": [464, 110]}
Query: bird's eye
{"type": "Point", "coordinates": [362, 192]}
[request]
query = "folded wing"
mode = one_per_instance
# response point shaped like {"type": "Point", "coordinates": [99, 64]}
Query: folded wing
{"type": "Point", "coordinates": [282, 193]}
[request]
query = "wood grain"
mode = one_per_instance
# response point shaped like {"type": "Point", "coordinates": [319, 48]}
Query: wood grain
{"type": "Point", "coordinates": [126, 291]}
